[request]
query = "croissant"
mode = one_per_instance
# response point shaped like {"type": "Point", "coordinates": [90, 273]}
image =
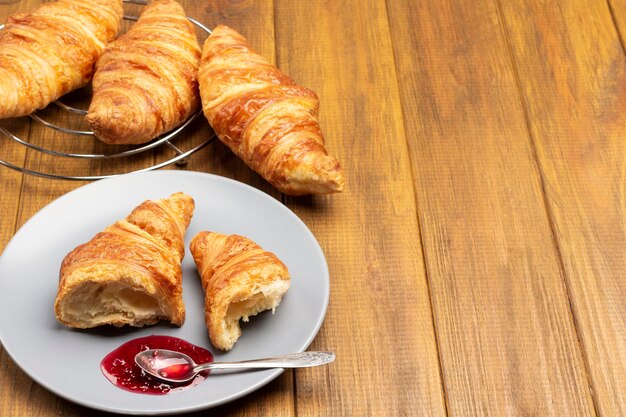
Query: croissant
{"type": "Point", "coordinates": [52, 51]}
{"type": "Point", "coordinates": [240, 280]}
{"type": "Point", "coordinates": [268, 120]}
{"type": "Point", "coordinates": [130, 273]}
{"type": "Point", "coordinates": [146, 81]}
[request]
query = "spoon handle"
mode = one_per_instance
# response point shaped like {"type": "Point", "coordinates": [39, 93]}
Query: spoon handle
{"type": "Point", "coordinates": [294, 360]}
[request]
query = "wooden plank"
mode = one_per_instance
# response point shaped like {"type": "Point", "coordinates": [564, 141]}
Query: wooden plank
{"type": "Point", "coordinates": [507, 340]}
{"type": "Point", "coordinates": [379, 320]}
{"type": "Point", "coordinates": [572, 72]}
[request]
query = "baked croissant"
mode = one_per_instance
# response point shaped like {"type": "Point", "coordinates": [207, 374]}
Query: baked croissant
{"type": "Point", "coordinates": [146, 81]}
{"type": "Point", "coordinates": [240, 280]}
{"type": "Point", "coordinates": [52, 51]}
{"type": "Point", "coordinates": [268, 120]}
{"type": "Point", "coordinates": [130, 273]}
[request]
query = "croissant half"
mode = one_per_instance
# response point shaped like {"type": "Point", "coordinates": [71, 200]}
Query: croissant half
{"type": "Point", "coordinates": [146, 81]}
{"type": "Point", "coordinates": [130, 273]}
{"type": "Point", "coordinates": [52, 51]}
{"type": "Point", "coordinates": [240, 280]}
{"type": "Point", "coordinates": [265, 117]}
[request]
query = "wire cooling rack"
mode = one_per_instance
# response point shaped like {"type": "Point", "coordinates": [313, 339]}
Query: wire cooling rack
{"type": "Point", "coordinates": [181, 157]}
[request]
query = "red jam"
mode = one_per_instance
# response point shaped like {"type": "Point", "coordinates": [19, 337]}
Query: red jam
{"type": "Point", "coordinates": [120, 368]}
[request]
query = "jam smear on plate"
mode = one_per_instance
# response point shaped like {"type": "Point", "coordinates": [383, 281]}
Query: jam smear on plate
{"type": "Point", "coordinates": [120, 368]}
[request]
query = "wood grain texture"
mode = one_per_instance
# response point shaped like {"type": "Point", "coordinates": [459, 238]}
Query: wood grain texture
{"type": "Point", "coordinates": [483, 145]}
{"type": "Point", "coordinates": [506, 336]}
{"type": "Point", "coordinates": [379, 321]}
{"type": "Point", "coordinates": [572, 72]}
{"type": "Point", "coordinates": [11, 181]}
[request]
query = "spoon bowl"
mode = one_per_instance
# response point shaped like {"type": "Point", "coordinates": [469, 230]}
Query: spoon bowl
{"type": "Point", "coordinates": [167, 365]}
{"type": "Point", "coordinates": [178, 368]}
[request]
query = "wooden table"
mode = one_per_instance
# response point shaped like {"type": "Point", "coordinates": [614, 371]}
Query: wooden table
{"type": "Point", "coordinates": [478, 253]}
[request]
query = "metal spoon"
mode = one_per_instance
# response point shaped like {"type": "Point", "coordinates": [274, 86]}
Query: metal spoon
{"type": "Point", "coordinates": [176, 367]}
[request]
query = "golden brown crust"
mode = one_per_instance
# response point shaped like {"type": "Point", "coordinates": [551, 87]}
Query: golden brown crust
{"type": "Point", "coordinates": [140, 258]}
{"type": "Point", "coordinates": [52, 51]}
{"type": "Point", "coordinates": [146, 81]}
{"type": "Point", "coordinates": [237, 274]}
{"type": "Point", "coordinates": [265, 117]}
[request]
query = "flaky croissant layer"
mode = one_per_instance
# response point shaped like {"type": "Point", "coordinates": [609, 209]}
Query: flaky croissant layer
{"type": "Point", "coordinates": [268, 120]}
{"type": "Point", "coordinates": [146, 81]}
{"type": "Point", "coordinates": [240, 279]}
{"type": "Point", "coordinates": [52, 51]}
{"type": "Point", "coordinates": [130, 273]}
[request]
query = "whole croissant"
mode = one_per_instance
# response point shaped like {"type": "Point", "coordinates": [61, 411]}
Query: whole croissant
{"type": "Point", "coordinates": [240, 279]}
{"type": "Point", "coordinates": [52, 51]}
{"type": "Point", "coordinates": [146, 81]}
{"type": "Point", "coordinates": [265, 117]}
{"type": "Point", "coordinates": [130, 273]}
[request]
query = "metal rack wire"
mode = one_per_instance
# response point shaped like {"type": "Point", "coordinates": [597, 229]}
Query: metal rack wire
{"type": "Point", "coordinates": [181, 157]}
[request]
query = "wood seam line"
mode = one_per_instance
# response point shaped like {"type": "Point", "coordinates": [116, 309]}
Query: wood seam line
{"type": "Point", "coordinates": [294, 390]}
{"type": "Point", "coordinates": [419, 223]}
{"type": "Point", "coordinates": [432, 310]}
{"type": "Point", "coordinates": [549, 213]}
{"type": "Point", "coordinates": [609, 4]}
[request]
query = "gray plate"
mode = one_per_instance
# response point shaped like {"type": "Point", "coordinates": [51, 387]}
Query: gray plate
{"type": "Point", "coordinates": [67, 362]}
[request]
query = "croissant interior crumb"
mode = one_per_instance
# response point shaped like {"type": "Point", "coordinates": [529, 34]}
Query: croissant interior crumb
{"type": "Point", "coordinates": [117, 303]}
{"type": "Point", "coordinates": [265, 298]}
